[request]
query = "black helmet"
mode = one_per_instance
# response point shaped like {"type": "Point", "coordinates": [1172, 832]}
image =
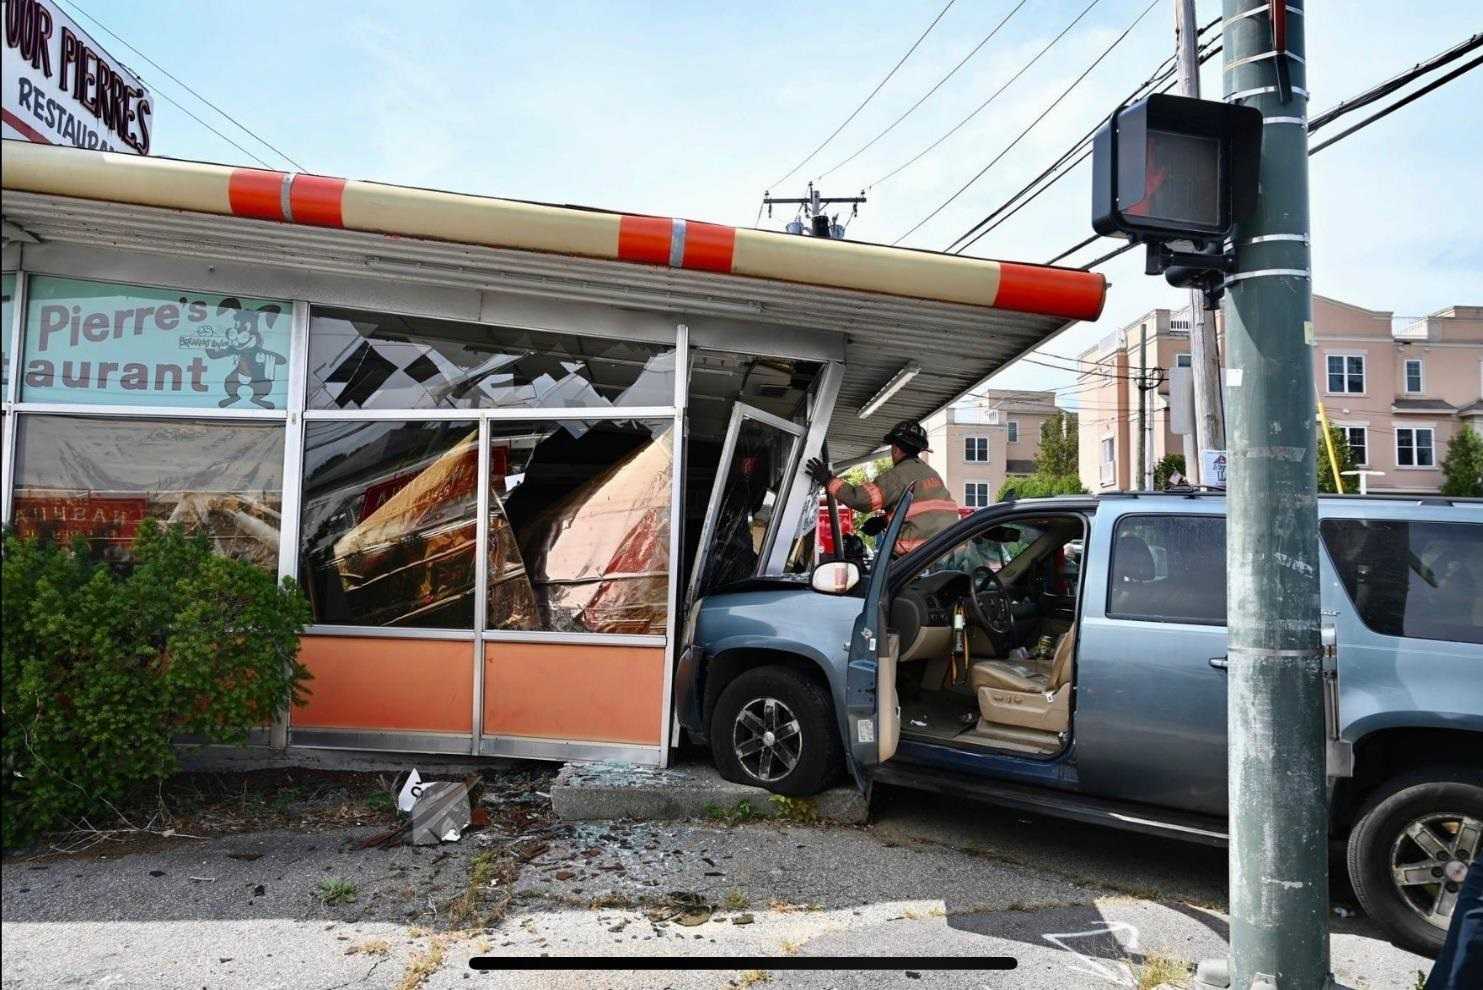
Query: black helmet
{"type": "Point", "coordinates": [909, 436]}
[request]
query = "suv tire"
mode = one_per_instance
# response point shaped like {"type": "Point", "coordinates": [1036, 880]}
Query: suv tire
{"type": "Point", "coordinates": [1381, 832]}
{"type": "Point", "coordinates": [774, 727]}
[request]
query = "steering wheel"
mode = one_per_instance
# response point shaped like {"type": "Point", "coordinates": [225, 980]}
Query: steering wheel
{"type": "Point", "coordinates": [992, 609]}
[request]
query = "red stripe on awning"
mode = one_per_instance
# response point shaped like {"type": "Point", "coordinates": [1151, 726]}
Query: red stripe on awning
{"type": "Point", "coordinates": [644, 239]}
{"type": "Point", "coordinates": [317, 200]}
{"type": "Point", "coordinates": [709, 247]}
{"type": "Point", "coordinates": [31, 133]}
{"type": "Point", "coordinates": [256, 193]}
{"type": "Point", "coordinates": [1065, 292]}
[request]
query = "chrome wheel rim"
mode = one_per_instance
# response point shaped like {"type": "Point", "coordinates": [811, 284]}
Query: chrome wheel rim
{"type": "Point", "coordinates": [1429, 860]}
{"type": "Point", "coordinates": [767, 739]}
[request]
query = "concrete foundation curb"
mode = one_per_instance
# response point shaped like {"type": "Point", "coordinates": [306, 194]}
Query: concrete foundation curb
{"type": "Point", "coordinates": [596, 791]}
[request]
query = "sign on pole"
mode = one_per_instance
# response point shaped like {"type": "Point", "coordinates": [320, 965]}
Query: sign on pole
{"type": "Point", "coordinates": [61, 87]}
{"type": "Point", "coordinates": [1181, 400]}
{"type": "Point", "coordinates": [1213, 468]}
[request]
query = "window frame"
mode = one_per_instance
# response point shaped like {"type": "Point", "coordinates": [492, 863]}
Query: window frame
{"type": "Point", "coordinates": [976, 495]}
{"type": "Point", "coordinates": [1345, 357]}
{"type": "Point", "coordinates": [1415, 430]}
{"type": "Point", "coordinates": [973, 442]}
{"type": "Point", "coordinates": [1420, 376]}
{"type": "Point", "coordinates": [1364, 432]}
{"type": "Point", "coordinates": [1107, 608]}
{"type": "Point", "coordinates": [1012, 429]}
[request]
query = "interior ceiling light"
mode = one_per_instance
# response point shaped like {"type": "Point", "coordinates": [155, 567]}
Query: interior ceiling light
{"type": "Point", "coordinates": [897, 383]}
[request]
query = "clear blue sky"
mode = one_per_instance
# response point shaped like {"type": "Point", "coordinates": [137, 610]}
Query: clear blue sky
{"type": "Point", "coordinates": [693, 108]}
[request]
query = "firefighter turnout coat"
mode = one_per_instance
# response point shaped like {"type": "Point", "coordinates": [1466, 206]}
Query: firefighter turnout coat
{"type": "Point", "coordinates": [932, 509]}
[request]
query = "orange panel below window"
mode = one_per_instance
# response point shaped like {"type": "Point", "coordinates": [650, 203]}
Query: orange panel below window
{"type": "Point", "coordinates": [417, 685]}
{"type": "Point", "coordinates": [587, 693]}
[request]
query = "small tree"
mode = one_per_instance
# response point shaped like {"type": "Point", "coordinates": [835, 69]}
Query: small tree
{"type": "Point", "coordinates": [1462, 468]}
{"type": "Point", "coordinates": [1039, 486]}
{"type": "Point", "coordinates": [1058, 454]}
{"type": "Point", "coordinates": [1168, 466]}
{"type": "Point", "coordinates": [1344, 454]}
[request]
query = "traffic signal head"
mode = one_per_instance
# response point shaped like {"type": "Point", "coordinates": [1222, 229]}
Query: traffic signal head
{"type": "Point", "coordinates": [1175, 168]}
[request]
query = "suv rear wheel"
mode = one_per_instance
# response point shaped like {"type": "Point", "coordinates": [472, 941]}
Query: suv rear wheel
{"type": "Point", "coordinates": [773, 727]}
{"type": "Point", "coordinates": [1416, 837]}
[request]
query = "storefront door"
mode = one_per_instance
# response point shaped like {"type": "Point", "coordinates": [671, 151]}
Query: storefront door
{"type": "Point", "coordinates": [758, 461]}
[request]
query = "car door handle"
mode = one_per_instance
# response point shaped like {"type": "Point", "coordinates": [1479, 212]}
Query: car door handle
{"type": "Point", "coordinates": [1219, 663]}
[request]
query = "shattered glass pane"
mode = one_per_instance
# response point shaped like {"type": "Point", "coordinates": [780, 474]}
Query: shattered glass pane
{"type": "Point", "coordinates": [589, 503]}
{"type": "Point", "coordinates": [378, 361]}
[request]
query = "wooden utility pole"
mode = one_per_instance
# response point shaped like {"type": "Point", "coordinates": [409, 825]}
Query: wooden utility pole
{"type": "Point", "coordinates": [1210, 425]}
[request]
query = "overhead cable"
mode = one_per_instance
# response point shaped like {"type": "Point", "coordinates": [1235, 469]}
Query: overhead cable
{"type": "Point", "coordinates": [186, 86]}
{"type": "Point", "coordinates": [1031, 126]}
{"type": "Point", "coordinates": [853, 114]}
{"type": "Point", "coordinates": [925, 96]}
{"type": "Point", "coordinates": [959, 125]}
{"type": "Point", "coordinates": [1162, 79]}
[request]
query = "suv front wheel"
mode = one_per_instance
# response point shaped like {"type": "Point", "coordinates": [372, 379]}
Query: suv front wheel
{"type": "Point", "coordinates": [1416, 837]}
{"type": "Point", "coordinates": [774, 727]}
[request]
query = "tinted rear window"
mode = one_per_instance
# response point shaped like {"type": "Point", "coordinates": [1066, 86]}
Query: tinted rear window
{"type": "Point", "coordinates": [1421, 580]}
{"type": "Point", "coordinates": [1169, 568]}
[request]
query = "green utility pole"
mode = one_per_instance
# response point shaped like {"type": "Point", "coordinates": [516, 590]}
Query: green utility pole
{"type": "Point", "coordinates": [1278, 809]}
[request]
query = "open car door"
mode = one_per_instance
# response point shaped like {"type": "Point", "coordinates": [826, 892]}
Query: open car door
{"type": "Point", "coordinates": [871, 709]}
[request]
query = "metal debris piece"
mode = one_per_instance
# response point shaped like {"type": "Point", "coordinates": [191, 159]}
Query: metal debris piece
{"type": "Point", "coordinates": [442, 811]}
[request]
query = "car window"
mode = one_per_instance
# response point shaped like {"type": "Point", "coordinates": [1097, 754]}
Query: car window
{"type": "Point", "coordinates": [1169, 568]}
{"type": "Point", "coordinates": [1421, 580]}
{"type": "Point", "coordinates": [984, 551]}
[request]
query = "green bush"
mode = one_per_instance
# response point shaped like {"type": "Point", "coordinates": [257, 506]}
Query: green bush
{"type": "Point", "coordinates": [104, 668]}
{"type": "Point", "coordinates": [1168, 466]}
{"type": "Point", "coordinates": [1039, 486]}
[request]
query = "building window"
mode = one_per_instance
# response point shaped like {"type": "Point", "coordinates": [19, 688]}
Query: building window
{"type": "Point", "coordinates": [1346, 374]}
{"type": "Point", "coordinates": [1359, 444]}
{"type": "Point", "coordinates": [976, 494]}
{"type": "Point", "coordinates": [124, 345]}
{"type": "Point", "coordinates": [1413, 375]}
{"type": "Point", "coordinates": [377, 361]}
{"type": "Point", "coordinates": [975, 448]}
{"type": "Point", "coordinates": [1414, 447]}
{"type": "Point", "coordinates": [1014, 431]}
{"type": "Point", "coordinates": [578, 524]}
{"type": "Point", "coordinates": [1183, 360]}
{"type": "Point", "coordinates": [98, 479]}
{"type": "Point", "coordinates": [1107, 450]}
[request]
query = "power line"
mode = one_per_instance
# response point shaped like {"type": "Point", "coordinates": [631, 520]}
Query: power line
{"type": "Point", "coordinates": [1002, 213]}
{"type": "Point", "coordinates": [1354, 103]}
{"type": "Point", "coordinates": [106, 29]}
{"type": "Point", "coordinates": [959, 125]}
{"type": "Point", "coordinates": [1409, 98]}
{"type": "Point", "coordinates": [1394, 83]}
{"type": "Point", "coordinates": [1019, 137]}
{"type": "Point", "coordinates": [909, 110]}
{"type": "Point", "coordinates": [809, 157]}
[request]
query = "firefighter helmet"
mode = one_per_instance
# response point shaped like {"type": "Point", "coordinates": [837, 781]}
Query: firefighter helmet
{"type": "Point", "coordinates": [909, 436]}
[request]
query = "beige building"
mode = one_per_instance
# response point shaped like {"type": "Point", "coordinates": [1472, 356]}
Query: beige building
{"type": "Point", "coordinates": [1399, 390]}
{"type": "Point", "coordinates": [978, 442]}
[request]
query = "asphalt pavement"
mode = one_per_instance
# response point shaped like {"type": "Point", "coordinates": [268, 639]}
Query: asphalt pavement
{"type": "Point", "coordinates": [1074, 905]}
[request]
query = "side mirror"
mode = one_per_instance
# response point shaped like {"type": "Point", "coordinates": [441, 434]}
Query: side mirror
{"type": "Point", "coordinates": [835, 577]}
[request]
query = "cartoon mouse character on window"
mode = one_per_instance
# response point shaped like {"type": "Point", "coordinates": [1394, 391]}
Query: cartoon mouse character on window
{"type": "Point", "coordinates": [254, 363]}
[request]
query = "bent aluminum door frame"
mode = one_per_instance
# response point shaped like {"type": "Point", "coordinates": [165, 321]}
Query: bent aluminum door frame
{"type": "Point", "coordinates": [740, 413]}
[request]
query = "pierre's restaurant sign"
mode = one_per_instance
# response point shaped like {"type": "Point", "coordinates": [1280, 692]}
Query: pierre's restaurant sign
{"type": "Point", "coordinates": [60, 87]}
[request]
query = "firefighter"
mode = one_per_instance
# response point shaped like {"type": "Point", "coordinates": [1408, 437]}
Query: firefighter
{"type": "Point", "coordinates": [932, 509]}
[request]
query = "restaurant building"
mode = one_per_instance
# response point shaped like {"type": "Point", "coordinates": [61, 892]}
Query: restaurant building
{"type": "Point", "coordinates": [499, 444]}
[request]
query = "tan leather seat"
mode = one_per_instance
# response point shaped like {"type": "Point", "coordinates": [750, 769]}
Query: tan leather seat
{"type": "Point", "coordinates": [1011, 694]}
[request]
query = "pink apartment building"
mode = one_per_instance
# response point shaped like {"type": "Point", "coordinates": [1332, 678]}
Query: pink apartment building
{"type": "Point", "coordinates": [1398, 388]}
{"type": "Point", "coordinates": [980, 441]}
